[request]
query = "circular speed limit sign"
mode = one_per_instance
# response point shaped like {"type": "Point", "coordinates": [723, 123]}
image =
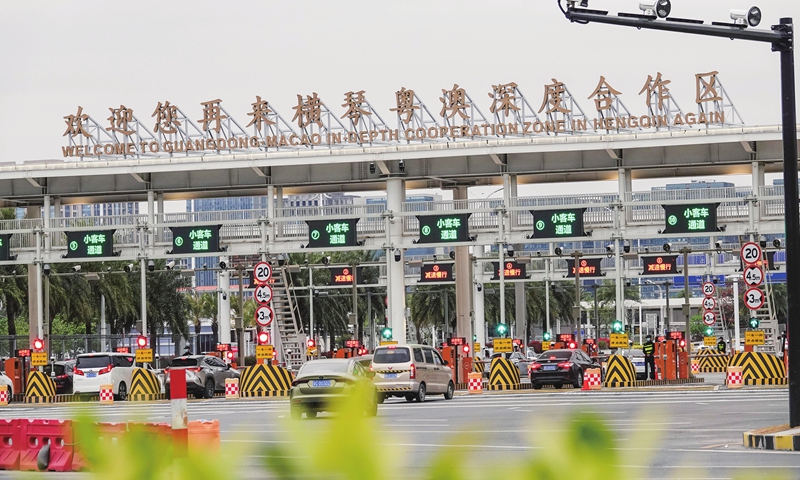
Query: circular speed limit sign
{"type": "Point", "coordinates": [709, 303]}
{"type": "Point", "coordinates": [709, 318]}
{"type": "Point", "coordinates": [753, 298]}
{"type": "Point", "coordinates": [709, 289]}
{"type": "Point", "coordinates": [751, 253]}
{"type": "Point", "coordinates": [753, 276]}
{"type": "Point", "coordinates": [262, 272]}
{"type": "Point", "coordinates": [263, 316]}
{"type": "Point", "coordinates": [263, 294]}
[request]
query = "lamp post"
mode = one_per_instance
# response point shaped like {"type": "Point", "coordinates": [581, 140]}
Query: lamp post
{"type": "Point", "coordinates": [576, 310]}
{"type": "Point", "coordinates": [781, 37]}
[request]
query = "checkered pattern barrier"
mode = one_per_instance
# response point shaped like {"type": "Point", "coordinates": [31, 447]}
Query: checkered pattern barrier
{"type": "Point", "coordinates": [594, 378]}
{"type": "Point", "coordinates": [4, 395]}
{"type": "Point", "coordinates": [695, 366]}
{"type": "Point", "coordinates": [231, 388]}
{"type": "Point", "coordinates": [106, 393]}
{"type": "Point", "coordinates": [734, 378]}
{"type": "Point", "coordinates": [475, 383]}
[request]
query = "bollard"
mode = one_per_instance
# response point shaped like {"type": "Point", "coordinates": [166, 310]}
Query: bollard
{"type": "Point", "coordinates": [594, 379]}
{"type": "Point", "coordinates": [475, 380]}
{"type": "Point", "coordinates": [180, 421]}
{"type": "Point", "coordinates": [231, 388]}
{"type": "Point", "coordinates": [4, 395]}
{"type": "Point", "coordinates": [695, 366]}
{"type": "Point", "coordinates": [106, 394]}
{"type": "Point", "coordinates": [734, 377]}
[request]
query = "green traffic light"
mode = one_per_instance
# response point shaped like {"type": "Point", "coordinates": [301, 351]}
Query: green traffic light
{"type": "Point", "coordinates": [754, 322]}
{"type": "Point", "coordinates": [386, 333]}
{"type": "Point", "coordinates": [709, 332]}
{"type": "Point", "coordinates": [502, 329]}
{"type": "Point", "coordinates": [546, 336]}
{"type": "Point", "coordinates": [616, 326]}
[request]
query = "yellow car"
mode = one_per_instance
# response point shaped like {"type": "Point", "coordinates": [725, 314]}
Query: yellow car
{"type": "Point", "coordinates": [320, 384]}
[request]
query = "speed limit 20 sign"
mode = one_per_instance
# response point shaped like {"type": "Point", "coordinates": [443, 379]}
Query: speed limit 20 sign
{"type": "Point", "coordinates": [262, 272]}
{"type": "Point", "coordinates": [264, 316]}
{"type": "Point", "coordinates": [708, 289]}
{"type": "Point", "coordinates": [751, 253]}
{"type": "Point", "coordinates": [263, 294]}
{"type": "Point", "coordinates": [753, 298]}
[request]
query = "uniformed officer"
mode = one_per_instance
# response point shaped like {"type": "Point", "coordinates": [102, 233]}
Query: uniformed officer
{"type": "Point", "coordinates": [649, 349]}
{"type": "Point", "coordinates": [721, 346]}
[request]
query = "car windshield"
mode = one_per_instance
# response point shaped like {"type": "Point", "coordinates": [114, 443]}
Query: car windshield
{"type": "Point", "coordinates": [184, 362]}
{"type": "Point", "coordinates": [391, 355]}
{"type": "Point", "coordinates": [59, 369]}
{"type": "Point", "coordinates": [632, 353]}
{"type": "Point", "coordinates": [556, 355]}
{"type": "Point", "coordinates": [322, 367]}
{"type": "Point", "coordinates": [94, 361]}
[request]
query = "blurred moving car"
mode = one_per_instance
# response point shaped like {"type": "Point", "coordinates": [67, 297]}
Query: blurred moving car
{"type": "Point", "coordinates": [319, 383]}
{"type": "Point", "coordinates": [366, 362]}
{"type": "Point", "coordinates": [62, 375]}
{"type": "Point", "coordinates": [95, 369]}
{"type": "Point", "coordinates": [560, 367]}
{"type": "Point", "coordinates": [205, 374]}
{"type": "Point", "coordinates": [637, 358]}
{"type": "Point", "coordinates": [411, 371]}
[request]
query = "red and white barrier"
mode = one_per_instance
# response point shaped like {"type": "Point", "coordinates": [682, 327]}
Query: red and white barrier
{"type": "Point", "coordinates": [106, 394]}
{"type": "Point", "coordinates": [231, 388]}
{"type": "Point", "coordinates": [180, 419]}
{"type": "Point", "coordinates": [475, 382]}
{"type": "Point", "coordinates": [5, 396]}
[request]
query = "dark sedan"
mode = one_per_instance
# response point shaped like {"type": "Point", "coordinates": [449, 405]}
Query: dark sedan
{"type": "Point", "coordinates": [61, 373]}
{"type": "Point", "coordinates": [560, 367]}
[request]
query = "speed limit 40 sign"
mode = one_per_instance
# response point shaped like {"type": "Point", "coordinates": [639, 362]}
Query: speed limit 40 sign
{"type": "Point", "coordinates": [753, 298]}
{"type": "Point", "coordinates": [263, 294]}
{"type": "Point", "coordinates": [264, 316]}
{"type": "Point", "coordinates": [751, 253]}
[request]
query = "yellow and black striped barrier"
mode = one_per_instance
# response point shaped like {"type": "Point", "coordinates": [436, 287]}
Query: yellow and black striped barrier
{"type": "Point", "coordinates": [265, 381]}
{"type": "Point", "coordinates": [620, 372]}
{"type": "Point", "coordinates": [477, 365]}
{"type": "Point", "coordinates": [710, 361]}
{"type": "Point", "coordinates": [503, 375]}
{"type": "Point", "coordinates": [144, 386]}
{"type": "Point", "coordinates": [760, 368]}
{"type": "Point", "coordinates": [40, 388]}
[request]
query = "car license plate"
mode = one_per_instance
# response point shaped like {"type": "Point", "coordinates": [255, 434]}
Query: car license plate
{"type": "Point", "coordinates": [320, 383]}
{"type": "Point", "coordinates": [550, 367]}
{"type": "Point", "coordinates": [389, 375]}
{"type": "Point", "coordinates": [90, 374]}
{"type": "Point", "coordinates": [639, 364]}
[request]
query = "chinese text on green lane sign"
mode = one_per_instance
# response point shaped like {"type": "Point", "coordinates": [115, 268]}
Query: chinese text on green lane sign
{"type": "Point", "coordinates": [558, 223]}
{"type": "Point", "coordinates": [5, 247]}
{"type": "Point", "coordinates": [444, 228]}
{"type": "Point", "coordinates": [332, 233]}
{"type": "Point", "coordinates": [90, 244]}
{"type": "Point", "coordinates": [201, 239]}
{"type": "Point", "coordinates": [690, 218]}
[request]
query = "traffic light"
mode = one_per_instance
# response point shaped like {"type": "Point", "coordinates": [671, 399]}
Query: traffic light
{"type": "Point", "coordinates": [616, 326]}
{"type": "Point", "coordinates": [709, 331]}
{"type": "Point", "coordinates": [572, 345]}
{"type": "Point", "coordinates": [546, 336]}
{"type": "Point", "coordinates": [465, 349]}
{"type": "Point", "coordinates": [501, 329]}
{"type": "Point", "coordinates": [754, 322]}
{"type": "Point", "coordinates": [386, 333]}
{"type": "Point", "coordinates": [682, 343]}
{"type": "Point", "coordinates": [263, 338]}
{"type": "Point", "coordinates": [229, 355]}
{"type": "Point", "coordinates": [310, 343]}
{"type": "Point", "coordinates": [38, 344]}
{"type": "Point", "coordinates": [141, 341]}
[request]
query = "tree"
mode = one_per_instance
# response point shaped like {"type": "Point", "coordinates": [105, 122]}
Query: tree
{"type": "Point", "coordinates": [427, 305]}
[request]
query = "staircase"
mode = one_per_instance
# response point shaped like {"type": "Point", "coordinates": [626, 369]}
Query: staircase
{"type": "Point", "coordinates": [768, 322]}
{"type": "Point", "coordinates": [289, 329]}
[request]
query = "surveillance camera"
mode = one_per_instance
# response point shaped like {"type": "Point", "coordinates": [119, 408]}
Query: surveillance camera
{"type": "Point", "coordinates": [151, 265]}
{"type": "Point", "coordinates": [129, 268]}
{"type": "Point", "coordinates": [326, 260]}
{"type": "Point", "coordinates": [750, 17]}
{"type": "Point", "coordinates": [762, 241]}
{"type": "Point", "coordinates": [223, 265]}
{"type": "Point", "coordinates": [402, 165]}
{"type": "Point", "coordinates": [718, 245]}
{"type": "Point", "coordinates": [108, 269]}
{"type": "Point", "coordinates": [510, 251]}
{"type": "Point", "coordinates": [170, 265]}
{"type": "Point", "coordinates": [667, 247]}
{"type": "Point", "coordinates": [452, 254]}
{"type": "Point", "coordinates": [397, 255]}
{"type": "Point", "coordinates": [558, 251]}
{"type": "Point", "coordinates": [538, 253]}
{"type": "Point", "coordinates": [776, 243]}
{"type": "Point", "coordinates": [646, 249]}
{"type": "Point", "coordinates": [480, 287]}
{"type": "Point", "coordinates": [372, 168]}
{"type": "Point", "coordinates": [626, 247]}
{"type": "Point", "coordinates": [659, 8]}
{"type": "Point", "coordinates": [224, 296]}
{"type": "Point", "coordinates": [76, 268]}
{"type": "Point", "coordinates": [46, 269]}
{"type": "Point", "coordinates": [305, 261]}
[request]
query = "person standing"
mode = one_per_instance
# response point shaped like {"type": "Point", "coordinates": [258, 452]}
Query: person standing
{"type": "Point", "coordinates": [649, 349]}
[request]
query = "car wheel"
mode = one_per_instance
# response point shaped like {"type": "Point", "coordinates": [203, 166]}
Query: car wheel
{"type": "Point", "coordinates": [537, 386]}
{"type": "Point", "coordinates": [311, 414]}
{"type": "Point", "coordinates": [558, 385]}
{"type": "Point", "coordinates": [421, 393]}
{"type": "Point", "coordinates": [209, 391]}
{"type": "Point", "coordinates": [579, 382]}
{"type": "Point", "coordinates": [448, 395]}
{"type": "Point", "coordinates": [296, 413]}
{"type": "Point", "coordinates": [380, 398]}
{"type": "Point", "coordinates": [122, 392]}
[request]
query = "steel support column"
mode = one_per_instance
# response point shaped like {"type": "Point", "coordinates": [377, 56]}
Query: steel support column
{"type": "Point", "coordinates": [224, 306]}
{"type": "Point", "coordinates": [463, 273]}
{"type": "Point", "coordinates": [395, 195]}
{"type": "Point", "coordinates": [479, 326]}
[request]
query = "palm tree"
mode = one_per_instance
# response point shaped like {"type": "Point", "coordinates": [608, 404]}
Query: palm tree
{"type": "Point", "coordinates": [198, 308]}
{"type": "Point", "coordinates": [427, 304]}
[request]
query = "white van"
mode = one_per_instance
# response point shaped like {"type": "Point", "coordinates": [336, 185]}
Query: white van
{"type": "Point", "coordinates": [106, 368]}
{"type": "Point", "coordinates": [411, 371]}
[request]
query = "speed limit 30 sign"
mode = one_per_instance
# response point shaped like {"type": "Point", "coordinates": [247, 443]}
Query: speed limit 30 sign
{"type": "Point", "coordinates": [751, 253]}
{"type": "Point", "coordinates": [264, 316]}
{"type": "Point", "coordinates": [754, 298]}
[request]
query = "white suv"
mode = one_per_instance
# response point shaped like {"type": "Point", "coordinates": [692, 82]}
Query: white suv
{"type": "Point", "coordinates": [95, 369]}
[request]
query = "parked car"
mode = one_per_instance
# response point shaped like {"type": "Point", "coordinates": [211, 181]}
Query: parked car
{"type": "Point", "coordinates": [560, 367]}
{"type": "Point", "coordinates": [637, 358]}
{"type": "Point", "coordinates": [62, 375]}
{"type": "Point", "coordinates": [411, 371]}
{"type": "Point", "coordinates": [205, 374]}
{"type": "Point", "coordinates": [319, 383]}
{"type": "Point", "coordinates": [517, 358]}
{"type": "Point", "coordinates": [95, 369]}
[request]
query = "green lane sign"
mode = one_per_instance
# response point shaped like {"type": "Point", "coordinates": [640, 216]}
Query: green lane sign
{"type": "Point", "coordinates": [5, 247]}
{"type": "Point", "coordinates": [692, 218]}
{"type": "Point", "coordinates": [444, 228]}
{"type": "Point", "coordinates": [566, 222]}
{"type": "Point", "coordinates": [332, 233]}
{"type": "Point", "coordinates": [86, 244]}
{"type": "Point", "coordinates": [203, 239]}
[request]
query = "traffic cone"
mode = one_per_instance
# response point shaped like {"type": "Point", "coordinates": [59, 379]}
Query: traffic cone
{"type": "Point", "coordinates": [585, 383]}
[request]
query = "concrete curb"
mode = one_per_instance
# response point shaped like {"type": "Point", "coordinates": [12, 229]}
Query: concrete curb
{"type": "Point", "coordinates": [780, 437]}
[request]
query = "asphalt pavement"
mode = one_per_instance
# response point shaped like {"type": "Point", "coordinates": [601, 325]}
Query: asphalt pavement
{"type": "Point", "coordinates": [699, 432]}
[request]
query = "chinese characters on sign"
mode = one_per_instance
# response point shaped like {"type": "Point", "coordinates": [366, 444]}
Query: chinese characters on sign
{"type": "Point", "coordinates": [203, 239]}
{"type": "Point", "coordinates": [334, 233]}
{"type": "Point", "coordinates": [587, 267]}
{"type": "Point", "coordinates": [90, 244]}
{"type": "Point", "coordinates": [344, 275]}
{"type": "Point", "coordinates": [690, 218]}
{"type": "Point", "coordinates": [437, 272]}
{"type": "Point", "coordinates": [5, 247]}
{"type": "Point", "coordinates": [443, 229]}
{"type": "Point", "coordinates": [175, 133]}
{"type": "Point", "coordinates": [660, 265]}
{"type": "Point", "coordinates": [558, 223]}
{"type": "Point", "coordinates": [512, 270]}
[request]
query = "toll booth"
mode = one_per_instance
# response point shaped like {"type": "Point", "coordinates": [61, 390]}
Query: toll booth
{"type": "Point", "coordinates": [15, 371]}
{"type": "Point", "coordinates": [666, 359]}
{"type": "Point", "coordinates": [457, 358]}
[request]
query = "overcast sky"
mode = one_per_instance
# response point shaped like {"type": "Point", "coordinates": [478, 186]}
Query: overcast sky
{"type": "Point", "coordinates": [57, 55]}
